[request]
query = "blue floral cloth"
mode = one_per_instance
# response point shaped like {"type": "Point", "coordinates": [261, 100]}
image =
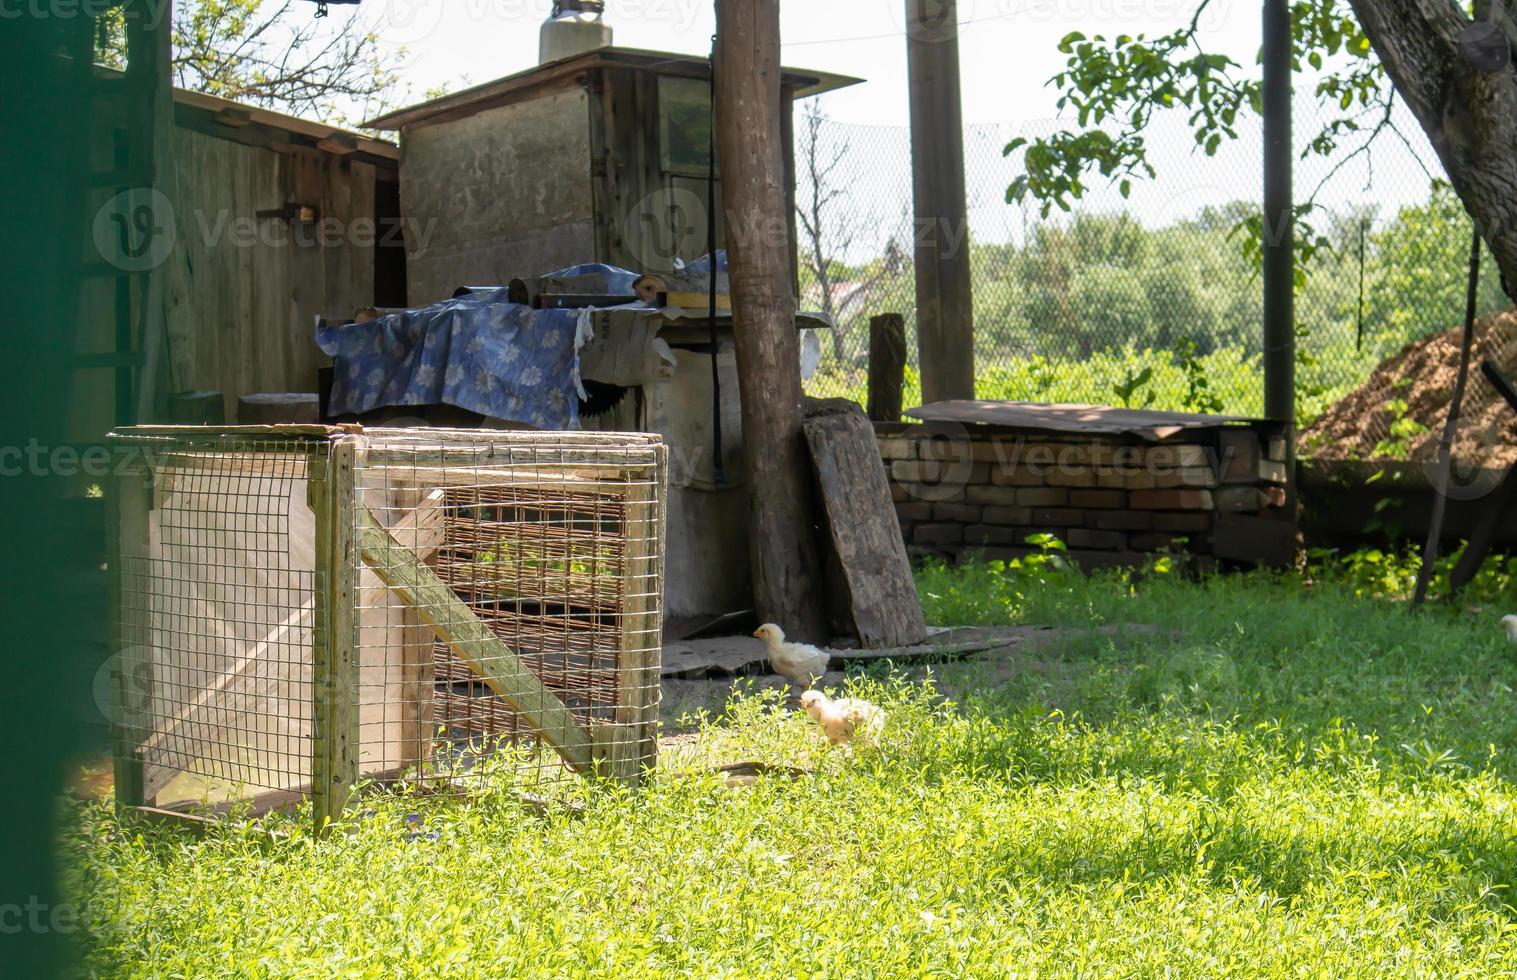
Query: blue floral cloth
{"type": "Point", "coordinates": [479, 352]}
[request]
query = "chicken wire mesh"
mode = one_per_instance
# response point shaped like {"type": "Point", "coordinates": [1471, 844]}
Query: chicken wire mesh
{"type": "Point", "coordinates": [297, 612]}
{"type": "Point", "coordinates": [1148, 300]}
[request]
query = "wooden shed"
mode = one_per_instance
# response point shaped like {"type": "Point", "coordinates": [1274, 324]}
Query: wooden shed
{"type": "Point", "coordinates": [599, 157]}
{"type": "Point", "coordinates": [275, 221]}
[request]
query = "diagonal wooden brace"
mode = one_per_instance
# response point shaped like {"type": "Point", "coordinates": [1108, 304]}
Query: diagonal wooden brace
{"type": "Point", "coordinates": [455, 624]}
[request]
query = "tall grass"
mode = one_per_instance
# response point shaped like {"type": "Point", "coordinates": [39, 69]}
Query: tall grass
{"type": "Point", "coordinates": [1245, 776]}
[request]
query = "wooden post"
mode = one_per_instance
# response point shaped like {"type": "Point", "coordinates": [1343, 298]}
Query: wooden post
{"type": "Point", "coordinates": [785, 553]}
{"type": "Point", "coordinates": [131, 673]}
{"type": "Point", "coordinates": [945, 302]}
{"type": "Point", "coordinates": [334, 667]}
{"type": "Point", "coordinates": [887, 366]}
{"type": "Point", "coordinates": [639, 691]}
{"type": "Point", "coordinates": [149, 72]}
{"type": "Point", "coordinates": [1279, 261]}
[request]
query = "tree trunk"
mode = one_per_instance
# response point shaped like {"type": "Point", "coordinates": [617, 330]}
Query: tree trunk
{"type": "Point", "coordinates": [786, 558]}
{"type": "Point", "coordinates": [1470, 116]}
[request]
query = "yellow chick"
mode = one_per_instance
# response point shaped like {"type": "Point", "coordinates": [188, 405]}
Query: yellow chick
{"type": "Point", "coordinates": [844, 719]}
{"type": "Point", "coordinates": [798, 663]}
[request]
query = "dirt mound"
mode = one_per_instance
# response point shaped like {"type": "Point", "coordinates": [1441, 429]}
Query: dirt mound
{"type": "Point", "coordinates": [1375, 421]}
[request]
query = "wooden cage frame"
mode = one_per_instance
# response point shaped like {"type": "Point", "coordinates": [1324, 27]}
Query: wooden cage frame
{"type": "Point", "coordinates": [352, 541]}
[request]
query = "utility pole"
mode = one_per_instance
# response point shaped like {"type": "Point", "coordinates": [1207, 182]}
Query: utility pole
{"type": "Point", "coordinates": [945, 301]}
{"type": "Point", "coordinates": [785, 550]}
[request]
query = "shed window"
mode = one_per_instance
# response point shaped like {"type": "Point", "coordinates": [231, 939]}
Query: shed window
{"type": "Point", "coordinates": [684, 120]}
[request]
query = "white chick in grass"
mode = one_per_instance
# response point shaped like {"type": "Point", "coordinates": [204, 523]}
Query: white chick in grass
{"type": "Point", "coordinates": [798, 663]}
{"type": "Point", "coordinates": [844, 719]}
{"type": "Point", "coordinates": [1509, 623]}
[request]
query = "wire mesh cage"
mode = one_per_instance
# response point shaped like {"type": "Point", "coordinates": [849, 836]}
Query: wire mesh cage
{"type": "Point", "coordinates": [297, 608]}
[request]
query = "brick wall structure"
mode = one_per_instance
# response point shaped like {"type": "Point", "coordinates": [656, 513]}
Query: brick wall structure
{"type": "Point", "coordinates": [1213, 493]}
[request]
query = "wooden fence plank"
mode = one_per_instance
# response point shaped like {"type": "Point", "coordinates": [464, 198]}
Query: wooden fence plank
{"type": "Point", "coordinates": [866, 535]}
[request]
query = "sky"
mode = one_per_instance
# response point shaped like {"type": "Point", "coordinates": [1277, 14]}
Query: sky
{"type": "Point", "coordinates": [1008, 52]}
{"type": "Point", "coordinates": [1007, 47]}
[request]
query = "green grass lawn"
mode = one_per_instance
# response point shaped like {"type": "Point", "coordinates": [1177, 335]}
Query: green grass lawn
{"type": "Point", "coordinates": [1281, 778]}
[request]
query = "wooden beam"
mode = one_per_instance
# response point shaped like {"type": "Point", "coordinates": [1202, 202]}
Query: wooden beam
{"type": "Point", "coordinates": [455, 624]}
{"type": "Point", "coordinates": [335, 672]}
{"type": "Point", "coordinates": [887, 366]}
{"type": "Point", "coordinates": [945, 301]}
{"type": "Point", "coordinates": [787, 567]}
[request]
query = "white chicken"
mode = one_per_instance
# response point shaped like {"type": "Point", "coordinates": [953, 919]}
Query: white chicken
{"type": "Point", "coordinates": [798, 663]}
{"type": "Point", "coordinates": [844, 719]}
{"type": "Point", "coordinates": [1510, 623]}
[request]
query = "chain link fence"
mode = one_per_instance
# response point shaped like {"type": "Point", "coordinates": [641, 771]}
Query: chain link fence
{"type": "Point", "coordinates": [1152, 300]}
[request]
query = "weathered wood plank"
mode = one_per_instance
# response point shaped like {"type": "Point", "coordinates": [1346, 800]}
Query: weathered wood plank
{"type": "Point", "coordinates": [334, 767]}
{"type": "Point", "coordinates": [864, 531]}
{"type": "Point", "coordinates": [455, 624]}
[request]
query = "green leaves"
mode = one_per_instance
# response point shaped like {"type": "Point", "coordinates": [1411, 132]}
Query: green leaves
{"type": "Point", "coordinates": [1115, 88]}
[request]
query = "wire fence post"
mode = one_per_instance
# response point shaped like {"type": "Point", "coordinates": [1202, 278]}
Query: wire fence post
{"type": "Point", "coordinates": [334, 761]}
{"type": "Point", "coordinates": [131, 673]}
